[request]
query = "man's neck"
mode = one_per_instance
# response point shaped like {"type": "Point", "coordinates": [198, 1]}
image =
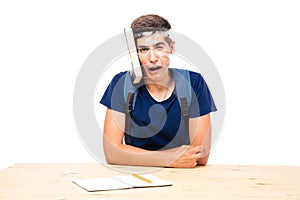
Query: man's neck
{"type": "Point", "coordinates": [159, 85]}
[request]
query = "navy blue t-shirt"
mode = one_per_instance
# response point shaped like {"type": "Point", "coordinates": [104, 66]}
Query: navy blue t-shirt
{"type": "Point", "coordinates": [159, 125]}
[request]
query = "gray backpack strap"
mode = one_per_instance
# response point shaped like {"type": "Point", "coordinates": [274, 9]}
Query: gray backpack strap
{"type": "Point", "coordinates": [128, 111]}
{"type": "Point", "coordinates": [130, 93]}
{"type": "Point", "coordinates": [183, 84]}
{"type": "Point", "coordinates": [184, 93]}
{"type": "Point", "coordinates": [129, 88]}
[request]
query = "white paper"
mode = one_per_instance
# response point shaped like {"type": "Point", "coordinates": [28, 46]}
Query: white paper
{"type": "Point", "coordinates": [119, 182]}
{"type": "Point", "coordinates": [98, 184]}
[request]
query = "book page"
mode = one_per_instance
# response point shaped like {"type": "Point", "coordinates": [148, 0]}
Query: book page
{"type": "Point", "coordinates": [98, 184]}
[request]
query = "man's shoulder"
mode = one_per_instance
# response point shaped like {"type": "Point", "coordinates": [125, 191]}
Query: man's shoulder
{"type": "Point", "coordinates": [192, 74]}
{"type": "Point", "coordinates": [195, 78]}
{"type": "Point", "coordinates": [119, 76]}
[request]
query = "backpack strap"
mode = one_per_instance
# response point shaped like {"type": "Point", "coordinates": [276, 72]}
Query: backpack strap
{"type": "Point", "coordinates": [183, 84]}
{"type": "Point", "coordinates": [184, 93]}
{"type": "Point", "coordinates": [129, 88]}
{"type": "Point", "coordinates": [128, 111]}
{"type": "Point", "coordinates": [130, 93]}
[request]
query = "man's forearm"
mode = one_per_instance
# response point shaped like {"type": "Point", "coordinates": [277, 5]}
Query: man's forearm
{"type": "Point", "coordinates": [130, 155]}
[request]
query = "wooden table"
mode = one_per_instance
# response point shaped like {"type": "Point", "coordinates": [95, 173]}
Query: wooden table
{"type": "Point", "coordinates": [54, 181]}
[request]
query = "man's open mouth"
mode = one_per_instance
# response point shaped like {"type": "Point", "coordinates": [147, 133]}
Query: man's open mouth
{"type": "Point", "coordinates": [154, 68]}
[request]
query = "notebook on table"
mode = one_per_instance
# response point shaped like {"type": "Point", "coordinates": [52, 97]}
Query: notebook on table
{"type": "Point", "coordinates": [121, 182]}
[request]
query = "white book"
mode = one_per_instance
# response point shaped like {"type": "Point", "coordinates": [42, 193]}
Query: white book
{"type": "Point", "coordinates": [136, 68]}
{"type": "Point", "coordinates": [120, 182]}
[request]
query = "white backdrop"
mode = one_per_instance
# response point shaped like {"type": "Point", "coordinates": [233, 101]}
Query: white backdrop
{"type": "Point", "coordinates": [255, 46]}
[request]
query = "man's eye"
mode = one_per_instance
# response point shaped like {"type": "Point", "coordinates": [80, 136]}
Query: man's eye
{"type": "Point", "coordinates": [143, 50]}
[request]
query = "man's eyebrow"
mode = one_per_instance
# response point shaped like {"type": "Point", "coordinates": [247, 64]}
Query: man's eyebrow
{"type": "Point", "coordinates": [142, 46]}
{"type": "Point", "coordinates": [160, 43]}
{"type": "Point", "coordinates": [157, 44]}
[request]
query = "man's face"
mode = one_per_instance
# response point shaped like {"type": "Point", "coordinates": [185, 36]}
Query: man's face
{"type": "Point", "coordinates": [153, 52]}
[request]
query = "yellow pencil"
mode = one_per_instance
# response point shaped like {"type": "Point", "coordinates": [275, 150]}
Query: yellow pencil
{"type": "Point", "coordinates": [142, 178]}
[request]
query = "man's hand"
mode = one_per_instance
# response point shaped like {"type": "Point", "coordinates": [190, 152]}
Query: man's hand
{"type": "Point", "coordinates": [188, 158]}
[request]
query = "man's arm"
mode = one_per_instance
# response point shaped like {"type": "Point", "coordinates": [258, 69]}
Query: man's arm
{"type": "Point", "coordinates": [116, 152]}
{"type": "Point", "coordinates": [200, 134]}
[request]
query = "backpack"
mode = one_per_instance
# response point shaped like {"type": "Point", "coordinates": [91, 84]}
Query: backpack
{"type": "Point", "coordinates": [183, 91]}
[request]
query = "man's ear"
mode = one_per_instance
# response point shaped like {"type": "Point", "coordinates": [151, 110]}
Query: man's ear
{"type": "Point", "coordinates": [172, 45]}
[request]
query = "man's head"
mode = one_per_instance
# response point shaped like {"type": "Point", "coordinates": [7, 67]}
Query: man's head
{"type": "Point", "coordinates": [150, 23]}
{"type": "Point", "coordinates": [153, 44]}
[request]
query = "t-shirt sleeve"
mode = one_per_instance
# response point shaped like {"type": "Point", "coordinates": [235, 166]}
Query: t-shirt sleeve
{"type": "Point", "coordinates": [202, 101]}
{"type": "Point", "coordinates": [113, 97]}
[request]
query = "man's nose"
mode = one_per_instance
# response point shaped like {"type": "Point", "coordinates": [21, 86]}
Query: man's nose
{"type": "Point", "coordinates": [153, 56]}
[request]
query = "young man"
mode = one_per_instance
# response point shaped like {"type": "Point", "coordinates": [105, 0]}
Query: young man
{"type": "Point", "coordinates": [158, 134]}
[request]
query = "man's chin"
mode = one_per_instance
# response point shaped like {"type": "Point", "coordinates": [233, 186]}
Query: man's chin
{"type": "Point", "coordinates": [155, 76]}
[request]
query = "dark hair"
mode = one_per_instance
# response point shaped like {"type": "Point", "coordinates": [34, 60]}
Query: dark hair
{"type": "Point", "coordinates": [150, 23]}
{"type": "Point", "coordinates": [151, 20]}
